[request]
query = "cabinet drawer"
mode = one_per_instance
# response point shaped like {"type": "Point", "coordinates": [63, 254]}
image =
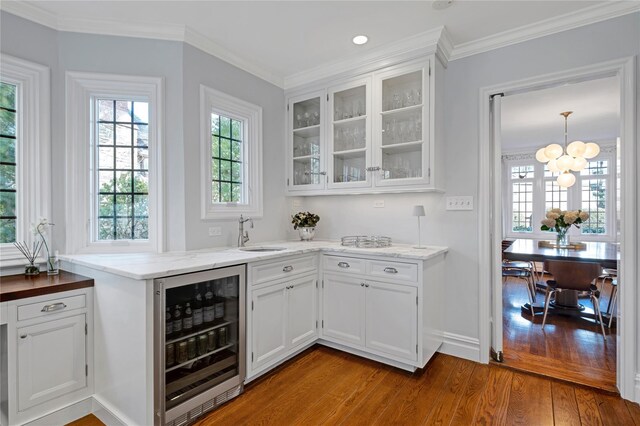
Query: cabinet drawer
{"type": "Point", "coordinates": [344, 264]}
{"type": "Point", "coordinates": [393, 270]}
{"type": "Point", "coordinates": [280, 268]}
{"type": "Point", "coordinates": [52, 306]}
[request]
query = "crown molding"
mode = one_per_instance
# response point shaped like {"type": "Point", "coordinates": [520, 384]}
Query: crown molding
{"type": "Point", "coordinates": [387, 54]}
{"type": "Point", "coordinates": [207, 45]}
{"type": "Point", "coordinates": [586, 16]}
{"type": "Point", "coordinates": [30, 12]}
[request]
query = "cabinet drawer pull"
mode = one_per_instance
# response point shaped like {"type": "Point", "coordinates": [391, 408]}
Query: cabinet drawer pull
{"type": "Point", "coordinates": [343, 264]}
{"type": "Point", "coordinates": [53, 307]}
{"type": "Point", "coordinates": [288, 268]}
{"type": "Point", "coordinates": [391, 270]}
{"type": "Point", "coordinates": [24, 336]}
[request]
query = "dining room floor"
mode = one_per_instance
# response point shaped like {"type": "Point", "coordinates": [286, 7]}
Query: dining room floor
{"type": "Point", "coordinates": [569, 348]}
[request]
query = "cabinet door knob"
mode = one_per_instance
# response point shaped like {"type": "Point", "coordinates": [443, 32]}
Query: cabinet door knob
{"type": "Point", "coordinates": [361, 284]}
{"type": "Point", "coordinates": [288, 268]}
{"type": "Point", "coordinates": [24, 336]}
{"type": "Point", "coordinates": [391, 270]}
{"type": "Point", "coordinates": [366, 285]}
{"type": "Point", "coordinates": [343, 264]}
{"type": "Point", "coordinates": [53, 307]}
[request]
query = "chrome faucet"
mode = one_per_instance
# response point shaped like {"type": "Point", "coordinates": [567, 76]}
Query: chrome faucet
{"type": "Point", "coordinates": [243, 236]}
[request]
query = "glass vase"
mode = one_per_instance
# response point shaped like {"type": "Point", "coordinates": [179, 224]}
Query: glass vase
{"type": "Point", "coordinates": [562, 238]}
{"type": "Point", "coordinates": [53, 265]}
{"type": "Point", "coordinates": [306, 232]}
{"type": "Point", "coordinates": [31, 270]}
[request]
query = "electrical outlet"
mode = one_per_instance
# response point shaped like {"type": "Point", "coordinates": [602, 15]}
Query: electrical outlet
{"type": "Point", "coordinates": [215, 231]}
{"type": "Point", "coordinates": [378, 204]}
{"type": "Point", "coordinates": [460, 203]}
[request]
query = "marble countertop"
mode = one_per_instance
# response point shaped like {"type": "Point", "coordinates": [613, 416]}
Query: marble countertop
{"type": "Point", "coordinates": [143, 266]}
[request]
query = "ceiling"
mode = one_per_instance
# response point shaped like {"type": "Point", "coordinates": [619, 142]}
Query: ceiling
{"type": "Point", "coordinates": [533, 120]}
{"type": "Point", "coordinates": [283, 38]}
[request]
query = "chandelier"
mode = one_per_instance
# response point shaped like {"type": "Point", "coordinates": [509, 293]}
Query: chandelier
{"type": "Point", "coordinates": [573, 157]}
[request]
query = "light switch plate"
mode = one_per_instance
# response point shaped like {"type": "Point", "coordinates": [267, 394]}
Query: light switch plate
{"type": "Point", "coordinates": [378, 204]}
{"type": "Point", "coordinates": [215, 231]}
{"type": "Point", "coordinates": [460, 203]}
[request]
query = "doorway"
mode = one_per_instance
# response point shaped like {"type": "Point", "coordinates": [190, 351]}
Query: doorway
{"type": "Point", "coordinates": [491, 209]}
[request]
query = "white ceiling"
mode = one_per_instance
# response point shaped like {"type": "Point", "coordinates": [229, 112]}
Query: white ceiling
{"type": "Point", "coordinates": [533, 120]}
{"type": "Point", "coordinates": [283, 38]}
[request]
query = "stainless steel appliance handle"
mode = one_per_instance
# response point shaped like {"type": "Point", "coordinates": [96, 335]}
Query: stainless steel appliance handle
{"type": "Point", "coordinates": [53, 307]}
{"type": "Point", "coordinates": [343, 264]}
{"type": "Point", "coordinates": [391, 270]}
{"type": "Point", "coordinates": [287, 268]}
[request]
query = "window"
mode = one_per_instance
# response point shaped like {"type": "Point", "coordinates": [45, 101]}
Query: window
{"type": "Point", "coordinates": [531, 190]}
{"type": "Point", "coordinates": [231, 156]}
{"type": "Point", "coordinates": [8, 162]}
{"type": "Point", "coordinates": [522, 198]}
{"type": "Point", "coordinates": [115, 163]}
{"type": "Point", "coordinates": [24, 153]}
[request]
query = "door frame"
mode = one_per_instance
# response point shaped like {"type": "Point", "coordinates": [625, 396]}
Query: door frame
{"type": "Point", "coordinates": [625, 69]}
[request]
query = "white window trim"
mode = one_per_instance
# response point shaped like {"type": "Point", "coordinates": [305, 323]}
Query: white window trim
{"type": "Point", "coordinates": [82, 88]}
{"type": "Point", "coordinates": [574, 201]}
{"type": "Point", "coordinates": [33, 128]}
{"type": "Point", "coordinates": [214, 100]}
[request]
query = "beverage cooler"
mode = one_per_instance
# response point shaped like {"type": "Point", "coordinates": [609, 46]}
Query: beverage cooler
{"type": "Point", "coordinates": [200, 343]}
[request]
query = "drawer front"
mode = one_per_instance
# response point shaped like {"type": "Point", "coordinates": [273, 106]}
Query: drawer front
{"type": "Point", "coordinates": [344, 264]}
{"type": "Point", "coordinates": [52, 306]}
{"type": "Point", "coordinates": [393, 270]}
{"type": "Point", "coordinates": [281, 268]}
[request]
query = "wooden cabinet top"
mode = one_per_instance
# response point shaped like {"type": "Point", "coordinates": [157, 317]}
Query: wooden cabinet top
{"type": "Point", "coordinates": [14, 287]}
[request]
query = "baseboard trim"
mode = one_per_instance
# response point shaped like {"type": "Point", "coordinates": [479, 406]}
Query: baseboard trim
{"type": "Point", "coordinates": [461, 346]}
{"type": "Point", "coordinates": [104, 414]}
{"type": "Point", "coordinates": [76, 411]}
{"type": "Point", "coordinates": [636, 393]}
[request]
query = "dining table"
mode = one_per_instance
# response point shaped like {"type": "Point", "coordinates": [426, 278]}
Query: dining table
{"type": "Point", "coordinates": [567, 302]}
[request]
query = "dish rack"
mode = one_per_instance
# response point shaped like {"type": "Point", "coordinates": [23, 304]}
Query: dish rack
{"type": "Point", "coordinates": [366, 241]}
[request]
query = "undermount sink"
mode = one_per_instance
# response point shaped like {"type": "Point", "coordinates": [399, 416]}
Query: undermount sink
{"type": "Point", "coordinates": [262, 248]}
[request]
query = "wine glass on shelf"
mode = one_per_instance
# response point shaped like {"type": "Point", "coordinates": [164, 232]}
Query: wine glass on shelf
{"type": "Point", "coordinates": [397, 101]}
{"type": "Point", "coordinates": [316, 118]}
{"type": "Point", "coordinates": [298, 121]}
{"type": "Point", "coordinates": [307, 119]}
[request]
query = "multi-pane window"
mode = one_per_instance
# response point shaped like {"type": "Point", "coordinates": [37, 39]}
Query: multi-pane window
{"type": "Point", "coordinates": [123, 169]}
{"type": "Point", "coordinates": [227, 169]}
{"type": "Point", "coordinates": [555, 196]}
{"type": "Point", "coordinates": [8, 164]}
{"type": "Point", "coordinates": [522, 198]}
{"type": "Point", "coordinates": [593, 186]}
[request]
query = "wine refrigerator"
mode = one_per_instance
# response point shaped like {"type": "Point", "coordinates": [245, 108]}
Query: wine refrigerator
{"type": "Point", "coordinates": [199, 343]}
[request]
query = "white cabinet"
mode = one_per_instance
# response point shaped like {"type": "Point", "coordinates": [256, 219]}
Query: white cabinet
{"type": "Point", "coordinates": [370, 315]}
{"type": "Point", "coordinates": [373, 132]}
{"type": "Point", "coordinates": [51, 360]}
{"type": "Point", "coordinates": [49, 353]}
{"type": "Point", "coordinates": [284, 311]}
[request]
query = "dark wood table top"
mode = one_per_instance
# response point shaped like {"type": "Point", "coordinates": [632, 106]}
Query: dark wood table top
{"type": "Point", "coordinates": [607, 254]}
{"type": "Point", "coordinates": [14, 287]}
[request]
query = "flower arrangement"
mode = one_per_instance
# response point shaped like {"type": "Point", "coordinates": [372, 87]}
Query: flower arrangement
{"type": "Point", "coordinates": [561, 221]}
{"type": "Point", "coordinates": [41, 229]}
{"type": "Point", "coordinates": [304, 220]}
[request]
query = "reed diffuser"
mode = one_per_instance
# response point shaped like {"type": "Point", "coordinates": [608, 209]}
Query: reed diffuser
{"type": "Point", "coordinates": [31, 254]}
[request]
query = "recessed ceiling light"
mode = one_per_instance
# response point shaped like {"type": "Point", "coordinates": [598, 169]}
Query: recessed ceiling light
{"type": "Point", "coordinates": [360, 39]}
{"type": "Point", "coordinates": [441, 4]}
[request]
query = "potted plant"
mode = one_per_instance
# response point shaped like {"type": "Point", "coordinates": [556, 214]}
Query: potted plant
{"type": "Point", "coordinates": [305, 223]}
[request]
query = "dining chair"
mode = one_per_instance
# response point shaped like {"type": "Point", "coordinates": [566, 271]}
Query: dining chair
{"type": "Point", "coordinates": [522, 270]}
{"type": "Point", "coordinates": [573, 276]}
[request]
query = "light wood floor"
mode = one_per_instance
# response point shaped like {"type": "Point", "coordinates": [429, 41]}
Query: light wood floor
{"type": "Point", "coordinates": [569, 348]}
{"type": "Point", "coordinates": [323, 386]}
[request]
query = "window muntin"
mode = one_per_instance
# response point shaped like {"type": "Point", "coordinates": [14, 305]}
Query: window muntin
{"type": "Point", "coordinates": [522, 198]}
{"type": "Point", "coordinates": [122, 156]}
{"type": "Point", "coordinates": [227, 167]}
{"type": "Point", "coordinates": [8, 163]}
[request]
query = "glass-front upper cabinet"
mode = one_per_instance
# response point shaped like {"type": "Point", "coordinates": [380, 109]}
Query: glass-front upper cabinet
{"type": "Point", "coordinates": [349, 134]}
{"type": "Point", "coordinates": [401, 140]}
{"type": "Point", "coordinates": [306, 131]}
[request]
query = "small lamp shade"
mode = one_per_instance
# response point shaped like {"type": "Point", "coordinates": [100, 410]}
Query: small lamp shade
{"type": "Point", "coordinates": [418, 211]}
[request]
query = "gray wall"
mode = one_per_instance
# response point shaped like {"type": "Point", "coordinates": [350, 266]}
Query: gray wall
{"type": "Point", "coordinates": [202, 68]}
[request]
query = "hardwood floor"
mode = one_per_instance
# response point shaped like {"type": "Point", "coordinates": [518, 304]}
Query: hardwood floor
{"type": "Point", "coordinates": [569, 348]}
{"type": "Point", "coordinates": [326, 387]}
{"type": "Point", "coordinates": [323, 386]}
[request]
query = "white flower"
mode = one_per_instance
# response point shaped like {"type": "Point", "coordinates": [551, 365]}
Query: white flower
{"type": "Point", "coordinates": [549, 223]}
{"type": "Point", "coordinates": [552, 215]}
{"type": "Point", "coordinates": [556, 211]}
{"type": "Point", "coordinates": [570, 217]}
{"type": "Point", "coordinates": [584, 216]}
